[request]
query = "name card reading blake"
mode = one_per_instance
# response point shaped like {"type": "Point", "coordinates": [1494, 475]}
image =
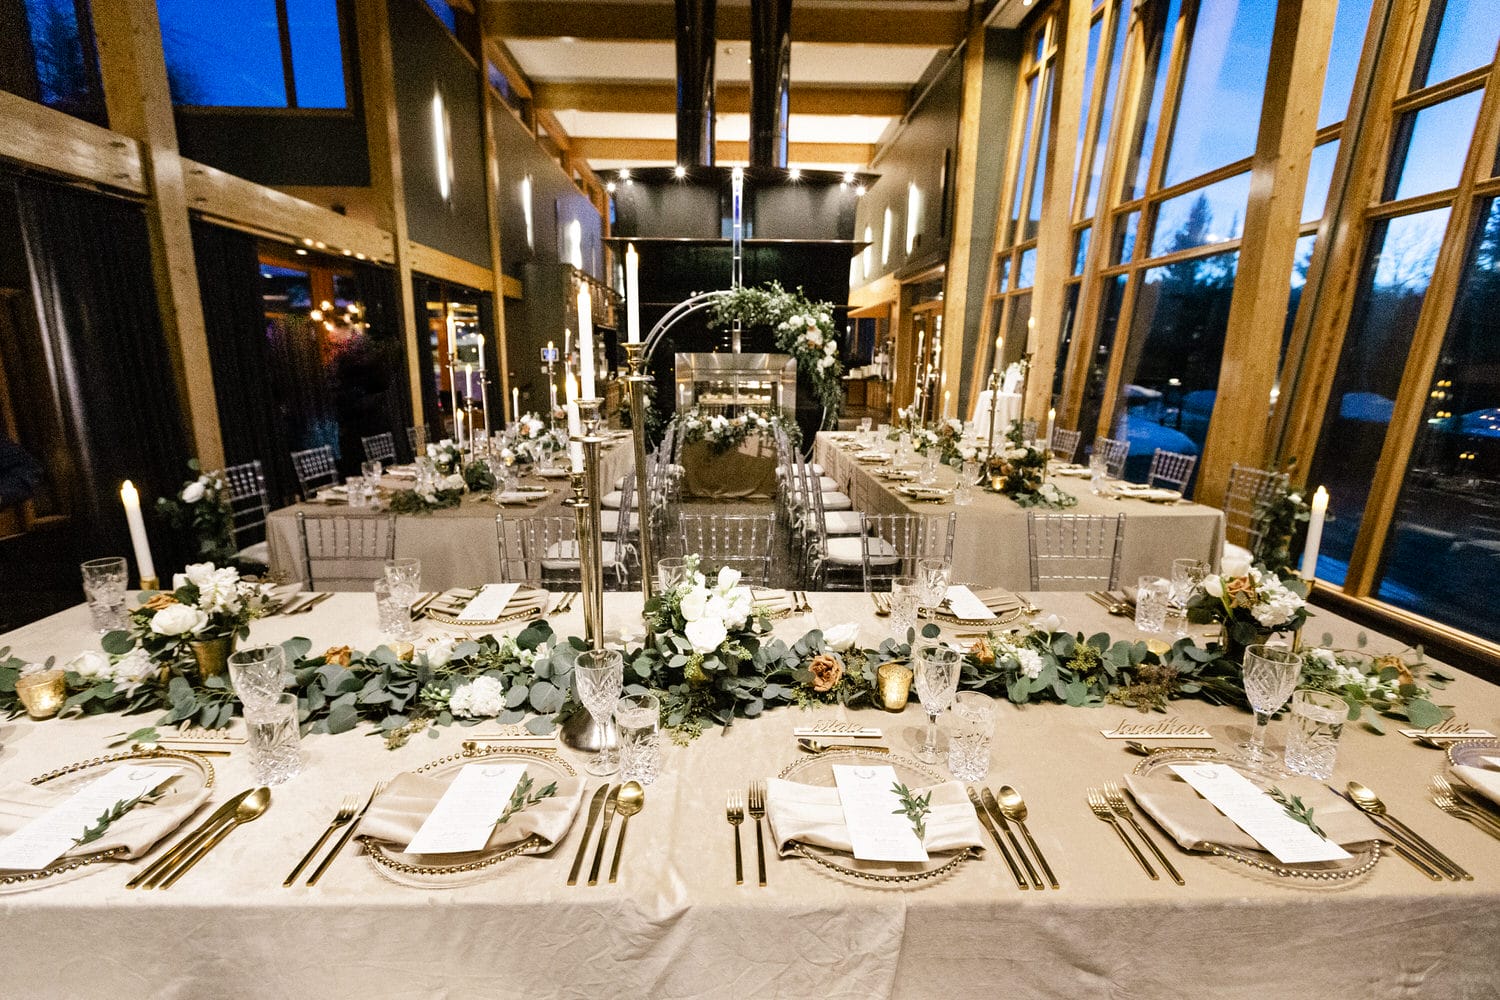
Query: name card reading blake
{"type": "Point", "coordinates": [1259, 815]}
{"type": "Point", "coordinates": [465, 816]}
{"type": "Point", "coordinates": [1170, 729]}
{"type": "Point", "coordinates": [49, 836]}
{"type": "Point", "coordinates": [1448, 729]}
{"type": "Point", "coordinates": [849, 729]}
{"type": "Point", "coordinates": [878, 828]}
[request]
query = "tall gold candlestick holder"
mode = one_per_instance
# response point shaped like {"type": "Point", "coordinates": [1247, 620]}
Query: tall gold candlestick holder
{"type": "Point", "coordinates": [590, 536]}
{"type": "Point", "coordinates": [989, 448]}
{"type": "Point", "coordinates": [635, 357]}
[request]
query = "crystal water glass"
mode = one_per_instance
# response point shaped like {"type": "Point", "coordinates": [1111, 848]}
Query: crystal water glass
{"type": "Point", "coordinates": [372, 469]}
{"type": "Point", "coordinates": [392, 612]}
{"type": "Point", "coordinates": [927, 475]}
{"type": "Point", "coordinates": [405, 576]}
{"type": "Point", "coordinates": [1099, 476]}
{"type": "Point", "coordinates": [258, 675]}
{"type": "Point", "coordinates": [104, 582]}
{"type": "Point", "coordinates": [275, 740]}
{"type": "Point", "coordinates": [933, 577]}
{"type": "Point", "coordinates": [638, 722]}
{"type": "Point", "coordinates": [1270, 675]}
{"type": "Point", "coordinates": [1152, 596]}
{"type": "Point", "coordinates": [354, 491]}
{"type": "Point", "coordinates": [865, 423]}
{"type": "Point", "coordinates": [936, 674]}
{"type": "Point", "coordinates": [963, 490]}
{"type": "Point", "coordinates": [426, 472]}
{"type": "Point", "coordinates": [671, 573]}
{"type": "Point", "coordinates": [1187, 577]}
{"type": "Point", "coordinates": [598, 676]}
{"type": "Point", "coordinates": [971, 727]}
{"type": "Point", "coordinates": [1312, 740]}
{"type": "Point", "coordinates": [904, 602]}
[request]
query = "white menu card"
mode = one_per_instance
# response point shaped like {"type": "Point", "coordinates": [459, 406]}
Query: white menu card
{"type": "Point", "coordinates": [878, 829]}
{"type": "Point", "coordinates": [489, 603]}
{"type": "Point", "coordinates": [964, 604]}
{"type": "Point", "coordinates": [1259, 815]}
{"type": "Point", "coordinates": [465, 816]}
{"type": "Point", "coordinates": [49, 836]}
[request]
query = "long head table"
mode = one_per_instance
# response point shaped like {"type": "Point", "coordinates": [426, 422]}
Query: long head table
{"type": "Point", "coordinates": [676, 925]}
{"type": "Point", "coordinates": [990, 545]}
{"type": "Point", "coordinates": [457, 546]}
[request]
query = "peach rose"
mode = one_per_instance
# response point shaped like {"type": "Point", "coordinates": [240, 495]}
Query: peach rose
{"type": "Point", "coordinates": [159, 601]}
{"type": "Point", "coordinates": [827, 671]}
{"type": "Point", "coordinates": [338, 654]}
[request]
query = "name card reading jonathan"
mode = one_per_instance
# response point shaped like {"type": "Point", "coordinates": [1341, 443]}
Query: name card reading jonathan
{"type": "Point", "coordinates": [1168, 729]}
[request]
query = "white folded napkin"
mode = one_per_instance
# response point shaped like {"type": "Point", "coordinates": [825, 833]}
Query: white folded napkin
{"type": "Point", "coordinates": [398, 812]}
{"type": "Point", "coordinates": [812, 814]}
{"type": "Point", "coordinates": [489, 603]}
{"type": "Point", "coordinates": [1483, 780]}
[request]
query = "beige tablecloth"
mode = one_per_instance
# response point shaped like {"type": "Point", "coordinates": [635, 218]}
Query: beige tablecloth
{"type": "Point", "coordinates": [748, 471]}
{"type": "Point", "coordinates": [677, 926]}
{"type": "Point", "coordinates": [458, 547]}
{"type": "Point", "coordinates": [989, 545]}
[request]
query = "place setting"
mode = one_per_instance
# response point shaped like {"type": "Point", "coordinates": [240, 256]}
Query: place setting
{"type": "Point", "coordinates": [491, 604]}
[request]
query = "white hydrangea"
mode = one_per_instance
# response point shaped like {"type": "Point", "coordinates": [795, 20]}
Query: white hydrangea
{"type": "Point", "coordinates": [133, 669]}
{"type": "Point", "coordinates": [483, 697]}
{"type": "Point", "coordinates": [218, 588]}
{"type": "Point", "coordinates": [1030, 662]}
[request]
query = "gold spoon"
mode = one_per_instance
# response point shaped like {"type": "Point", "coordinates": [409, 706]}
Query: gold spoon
{"type": "Point", "coordinates": [249, 808]}
{"type": "Point", "coordinates": [814, 746]}
{"type": "Point", "coordinates": [631, 801]}
{"type": "Point", "coordinates": [1014, 808]}
{"type": "Point", "coordinates": [1367, 801]}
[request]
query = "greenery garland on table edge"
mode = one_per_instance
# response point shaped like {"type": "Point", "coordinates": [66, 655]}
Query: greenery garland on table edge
{"type": "Point", "coordinates": [528, 678]}
{"type": "Point", "coordinates": [803, 328]}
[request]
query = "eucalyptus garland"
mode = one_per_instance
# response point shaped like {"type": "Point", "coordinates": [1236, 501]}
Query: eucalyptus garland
{"type": "Point", "coordinates": [803, 328]}
{"type": "Point", "coordinates": [724, 434]}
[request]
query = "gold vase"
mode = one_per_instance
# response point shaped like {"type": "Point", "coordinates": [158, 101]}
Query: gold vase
{"type": "Point", "coordinates": [212, 655]}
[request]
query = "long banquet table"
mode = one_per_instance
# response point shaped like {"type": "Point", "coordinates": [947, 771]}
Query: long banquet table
{"type": "Point", "coordinates": [990, 546]}
{"type": "Point", "coordinates": [676, 925]}
{"type": "Point", "coordinates": [458, 546]}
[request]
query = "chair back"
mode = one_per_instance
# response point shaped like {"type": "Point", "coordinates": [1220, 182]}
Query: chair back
{"type": "Point", "coordinates": [742, 541]}
{"type": "Point", "coordinates": [417, 437]}
{"type": "Point", "coordinates": [1075, 551]}
{"type": "Point", "coordinates": [315, 469]}
{"type": "Point", "coordinates": [548, 550]}
{"type": "Point", "coordinates": [895, 543]}
{"type": "Point", "coordinates": [1249, 488]}
{"type": "Point", "coordinates": [1115, 453]}
{"type": "Point", "coordinates": [1171, 469]}
{"type": "Point", "coordinates": [1065, 444]}
{"type": "Point", "coordinates": [1028, 429]}
{"type": "Point", "coordinates": [248, 502]}
{"type": "Point", "coordinates": [345, 552]}
{"type": "Point", "coordinates": [380, 448]}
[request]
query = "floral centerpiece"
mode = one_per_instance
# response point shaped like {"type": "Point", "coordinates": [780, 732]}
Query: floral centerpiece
{"type": "Point", "coordinates": [439, 494]}
{"type": "Point", "coordinates": [803, 328]}
{"type": "Point", "coordinates": [1251, 604]}
{"type": "Point", "coordinates": [1388, 685]}
{"type": "Point", "coordinates": [724, 434]}
{"type": "Point", "coordinates": [197, 624]}
{"type": "Point", "coordinates": [535, 441]}
{"type": "Point", "coordinates": [446, 456]}
{"type": "Point", "coordinates": [202, 508]}
{"type": "Point", "coordinates": [1019, 471]}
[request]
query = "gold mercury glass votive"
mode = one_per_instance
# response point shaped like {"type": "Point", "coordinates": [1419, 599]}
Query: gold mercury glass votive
{"type": "Point", "coordinates": [403, 650]}
{"type": "Point", "coordinates": [894, 680]}
{"type": "Point", "coordinates": [42, 693]}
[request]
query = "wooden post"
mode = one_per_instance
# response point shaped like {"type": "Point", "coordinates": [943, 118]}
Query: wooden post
{"type": "Point", "coordinates": [962, 247]}
{"type": "Point", "coordinates": [488, 107]}
{"type": "Point", "coordinates": [139, 103]}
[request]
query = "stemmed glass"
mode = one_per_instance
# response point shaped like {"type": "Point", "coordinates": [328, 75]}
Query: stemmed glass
{"type": "Point", "coordinates": [258, 676]}
{"type": "Point", "coordinates": [598, 676]}
{"type": "Point", "coordinates": [933, 576]}
{"type": "Point", "coordinates": [1187, 575]}
{"type": "Point", "coordinates": [404, 576]}
{"type": "Point", "coordinates": [937, 669]}
{"type": "Point", "coordinates": [1270, 676]}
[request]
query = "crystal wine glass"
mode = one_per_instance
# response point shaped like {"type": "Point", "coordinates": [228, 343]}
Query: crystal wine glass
{"type": "Point", "coordinates": [933, 577]}
{"type": "Point", "coordinates": [1270, 676]}
{"type": "Point", "coordinates": [258, 675]}
{"type": "Point", "coordinates": [1187, 575]}
{"type": "Point", "coordinates": [598, 675]}
{"type": "Point", "coordinates": [937, 682]}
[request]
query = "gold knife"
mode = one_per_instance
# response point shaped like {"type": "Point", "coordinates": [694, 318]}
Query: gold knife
{"type": "Point", "coordinates": [999, 818]}
{"type": "Point", "coordinates": [609, 815]}
{"type": "Point", "coordinates": [595, 804]}
{"type": "Point", "coordinates": [189, 842]}
{"type": "Point", "coordinates": [1021, 882]}
{"type": "Point", "coordinates": [234, 821]}
{"type": "Point", "coordinates": [313, 603]}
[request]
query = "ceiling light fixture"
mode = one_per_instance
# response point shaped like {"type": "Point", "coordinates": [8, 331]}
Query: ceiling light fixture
{"type": "Point", "coordinates": [301, 252]}
{"type": "Point", "coordinates": [307, 241]}
{"type": "Point", "coordinates": [859, 192]}
{"type": "Point", "coordinates": [625, 173]}
{"type": "Point", "coordinates": [795, 173]}
{"type": "Point", "coordinates": [848, 177]}
{"type": "Point", "coordinates": [679, 171]}
{"type": "Point", "coordinates": [610, 187]}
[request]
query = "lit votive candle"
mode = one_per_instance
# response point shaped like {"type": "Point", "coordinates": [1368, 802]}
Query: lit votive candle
{"type": "Point", "coordinates": [42, 693]}
{"type": "Point", "coordinates": [894, 680]}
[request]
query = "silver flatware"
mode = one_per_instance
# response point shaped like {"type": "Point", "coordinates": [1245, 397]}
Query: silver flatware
{"type": "Point", "coordinates": [595, 804]}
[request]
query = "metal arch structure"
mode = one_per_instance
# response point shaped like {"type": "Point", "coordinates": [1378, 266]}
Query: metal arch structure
{"type": "Point", "coordinates": [677, 314]}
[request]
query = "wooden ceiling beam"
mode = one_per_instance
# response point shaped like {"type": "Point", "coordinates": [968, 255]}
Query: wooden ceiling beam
{"type": "Point", "coordinates": [661, 98]}
{"type": "Point", "coordinates": [933, 24]}
{"type": "Point", "coordinates": [590, 148]}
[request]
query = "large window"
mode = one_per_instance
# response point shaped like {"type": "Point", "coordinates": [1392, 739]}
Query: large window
{"type": "Point", "coordinates": [277, 54]}
{"type": "Point", "coordinates": [50, 56]}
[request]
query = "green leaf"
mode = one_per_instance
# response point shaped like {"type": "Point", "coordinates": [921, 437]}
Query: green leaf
{"type": "Point", "coordinates": [117, 643]}
{"type": "Point", "coordinates": [1424, 714]}
{"type": "Point", "coordinates": [342, 718]}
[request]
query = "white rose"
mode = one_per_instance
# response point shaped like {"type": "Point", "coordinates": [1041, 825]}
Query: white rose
{"type": "Point", "coordinates": [90, 664]}
{"type": "Point", "coordinates": [841, 638]}
{"type": "Point", "coordinates": [1235, 564]}
{"type": "Point", "coordinates": [199, 574]}
{"type": "Point", "coordinates": [193, 492]}
{"type": "Point", "coordinates": [1048, 623]}
{"type": "Point", "coordinates": [694, 603]}
{"type": "Point", "coordinates": [705, 634]}
{"type": "Point", "coordinates": [133, 668]}
{"type": "Point", "coordinates": [178, 619]}
{"type": "Point", "coordinates": [729, 578]}
{"type": "Point", "coordinates": [1214, 586]}
{"type": "Point", "coordinates": [439, 652]}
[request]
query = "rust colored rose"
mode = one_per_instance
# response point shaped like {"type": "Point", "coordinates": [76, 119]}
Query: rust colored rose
{"type": "Point", "coordinates": [1392, 662]}
{"type": "Point", "coordinates": [338, 654]}
{"type": "Point", "coordinates": [1241, 592]}
{"type": "Point", "coordinates": [827, 671]}
{"type": "Point", "coordinates": [159, 601]}
{"type": "Point", "coordinates": [982, 652]}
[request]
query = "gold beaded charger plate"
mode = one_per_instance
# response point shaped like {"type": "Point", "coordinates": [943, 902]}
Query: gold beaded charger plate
{"type": "Point", "coordinates": [447, 871]}
{"type": "Point", "coordinates": [1362, 857]}
{"type": "Point", "coordinates": [1472, 752]}
{"type": "Point", "coordinates": [525, 603]}
{"type": "Point", "coordinates": [196, 774]}
{"type": "Point", "coordinates": [818, 770]}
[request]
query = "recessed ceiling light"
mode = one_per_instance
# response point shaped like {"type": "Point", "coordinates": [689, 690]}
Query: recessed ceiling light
{"type": "Point", "coordinates": [306, 241]}
{"type": "Point", "coordinates": [679, 171]}
{"type": "Point", "coordinates": [848, 177]}
{"type": "Point", "coordinates": [795, 173]}
{"type": "Point", "coordinates": [610, 187]}
{"type": "Point", "coordinates": [322, 245]}
{"type": "Point", "coordinates": [625, 174]}
{"type": "Point", "coordinates": [860, 191]}
{"type": "Point", "coordinates": [301, 252]}
{"type": "Point", "coordinates": [348, 253]}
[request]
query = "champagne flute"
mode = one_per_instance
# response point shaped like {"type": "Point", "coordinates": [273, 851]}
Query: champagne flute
{"type": "Point", "coordinates": [937, 682]}
{"type": "Point", "coordinates": [598, 675]}
{"type": "Point", "coordinates": [1270, 676]}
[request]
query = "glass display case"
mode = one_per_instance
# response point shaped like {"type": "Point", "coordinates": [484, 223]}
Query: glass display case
{"type": "Point", "coordinates": [731, 383]}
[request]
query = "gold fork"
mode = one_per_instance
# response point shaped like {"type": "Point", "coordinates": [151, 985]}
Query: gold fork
{"type": "Point", "coordinates": [758, 813]}
{"type": "Point", "coordinates": [338, 845]}
{"type": "Point", "coordinates": [1115, 796]}
{"type": "Point", "coordinates": [344, 815]}
{"type": "Point", "coordinates": [1102, 810]}
{"type": "Point", "coordinates": [735, 809]}
{"type": "Point", "coordinates": [1450, 799]}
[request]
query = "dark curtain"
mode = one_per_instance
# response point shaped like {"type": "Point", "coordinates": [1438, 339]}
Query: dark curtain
{"type": "Point", "coordinates": [375, 395]}
{"type": "Point", "coordinates": [89, 259]}
{"type": "Point", "coordinates": [250, 420]}
{"type": "Point", "coordinates": [425, 290]}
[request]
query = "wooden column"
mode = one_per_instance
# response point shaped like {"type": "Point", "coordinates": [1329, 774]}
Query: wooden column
{"type": "Point", "coordinates": [377, 78]}
{"type": "Point", "coordinates": [1054, 248]}
{"type": "Point", "coordinates": [1278, 177]}
{"type": "Point", "coordinates": [139, 103]}
{"type": "Point", "coordinates": [962, 246]}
